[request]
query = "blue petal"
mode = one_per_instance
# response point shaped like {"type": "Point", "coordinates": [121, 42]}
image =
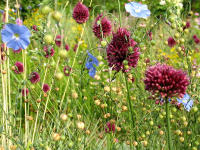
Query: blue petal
{"type": "Point", "coordinates": [88, 65]}
{"type": "Point", "coordinates": [6, 35]}
{"type": "Point", "coordinates": [24, 42]}
{"type": "Point", "coordinates": [189, 105]}
{"type": "Point", "coordinates": [92, 72]}
{"type": "Point", "coordinates": [14, 44]}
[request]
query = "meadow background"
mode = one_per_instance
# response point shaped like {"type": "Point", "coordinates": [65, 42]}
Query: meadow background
{"type": "Point", "coordinates": [111, 110]}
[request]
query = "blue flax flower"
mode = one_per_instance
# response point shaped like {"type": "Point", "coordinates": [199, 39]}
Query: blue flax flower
{"type": "Point", "coordinates": [137, 10]}
{"type": "Point", "coordinates": [91, 61]}
{"type": "Point", "coordinates": [186, 101]}
{"type": "Point", "coordinates": [16, 36]}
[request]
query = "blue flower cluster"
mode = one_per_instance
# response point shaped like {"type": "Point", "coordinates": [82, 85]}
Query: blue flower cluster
{"type": "Point", "coordinates": [91, 61]}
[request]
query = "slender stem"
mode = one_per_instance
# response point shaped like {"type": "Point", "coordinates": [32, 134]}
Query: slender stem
{"type": "Point", "coordinates": [129, 103]}
{"type": "Point", "coordinates": [168, 124]}
{"type": "Point", "coordinates": [120, 16]}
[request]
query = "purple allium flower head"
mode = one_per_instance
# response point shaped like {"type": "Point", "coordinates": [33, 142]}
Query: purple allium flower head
{"type": "Point", "coordinates": [23, 91]}
{"type": "Point", "coordinates": [58, 40]}
{"type": "Point", "coordinates": [122, 48]}
{"type": "Point", "coordinates": [35, 77]}
{"type": "Point", "coordinates": [102, 27]}
{"type": "Point", "coordinates": [19, 67]}
{"type": "Point", "coordinates": [45, 88]}
{"type": "Point", "coordinates": [196, 39]}
{"type": "Point", "coordinates": [171, 42]}
{"type": "Point", "coordinates": [166, 81]}
{"type": "Point", "coordinates": [187, 25]}
{"type": "Point", "coordinates": [34, 27]}
{"type": "Point", "coordinates": [67, 70]}
{"type": "Point", "coordinates": [67, 47]}
{"type": "Point", "coordinates": [80, 13]}
{"type": "Point", "coordinates": [110, 127]}
{"type": "Point", "coordinates": [49, 51]}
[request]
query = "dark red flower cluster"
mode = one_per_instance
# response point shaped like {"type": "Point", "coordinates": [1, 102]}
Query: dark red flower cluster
{"type": "Point", "coordinates": [58, 40]}
{"type": "Point", "coordinates": [35, 77]}
{"type": "Point", "coordinates": [45, 88]}
{"type": "Point", "coordinates": [67, 70]}
{"type": "Point", "coordinates": [49, 51]}
{"type": "Point", "coordinates": [196, 39]}
{"type": "Point", "coordinates": [19, 67]}
{"type": "Point", "coordinates": [122, 49]}
{"type": "Point", "coordinates": [110, 127]}
{"type": "Point", "coordinates": [187, 25]}
{"type": "Point", "coordinates": [25, 92]}
{"type": "Point", "coordinates": [171, 42]}
{"type": "Point", "coordinates": [102, 27]}
{"type": "Point", "coordinates": [80, 13]}
{"type": "Point", "coordinates": [166, 81]}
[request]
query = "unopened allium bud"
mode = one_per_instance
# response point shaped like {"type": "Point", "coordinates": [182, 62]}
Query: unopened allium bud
{"type": "Point", "coordinates": [56, 136]}
{"type": "Point", "coordinates": [80, 125]}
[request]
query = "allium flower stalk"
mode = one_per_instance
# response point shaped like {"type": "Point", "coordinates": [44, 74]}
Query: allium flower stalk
{"type": "Point", "coordinates": [80, 13]}
{"type": "Point", "coordinates": [102, 27]}
{"type": "Point", "coordinates": [122, 53]}
{"type": "Point", "coordinates": [166, 81]}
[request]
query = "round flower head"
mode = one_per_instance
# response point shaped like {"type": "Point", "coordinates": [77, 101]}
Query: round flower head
{"type": "Point", "coordinates": [16, 36]}
{"type": "Point", "coordinates": [19, 68]}
{"type": "Point", "coordinates": [102, 27]}
{"type": "Point", "coordinates": [171, 42]}
{"type": "Point", "coordinates": [35, 77]}
{"type": "Point", "coordinates": [166, 81]}
{"type": "Point", "coordinates": [34, 27]}
{"type": "Point", "coordinates": [110, 127]}
{"type": "Point", "coordinates": [67, 70]}
{"type": "Point", "coordinates": [23, 92]}
{"type": "Point", "coordinates": [58, 40]}
{"type": "Point", "coordinates": [80, 13]}
{"type": "Point", "coordinates": [122, 49]}
{"type": "Point", "coordinates": [67, 47]}
{"type": "Point", "coordinates": [49, 51]}
{"type": "Point", "coordinates": [46, 88]}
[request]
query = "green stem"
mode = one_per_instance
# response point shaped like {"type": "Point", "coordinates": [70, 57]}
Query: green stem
{"type": "Point", "coordinates": [129, 103]}
{"type": "Point", "coordinates": [168, 124]}
{"type": "Point", "coordinates": [120, 16]}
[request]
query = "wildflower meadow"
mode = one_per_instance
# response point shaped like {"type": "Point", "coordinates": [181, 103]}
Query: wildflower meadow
{"type": "Point", "coordinates": [100, 75]}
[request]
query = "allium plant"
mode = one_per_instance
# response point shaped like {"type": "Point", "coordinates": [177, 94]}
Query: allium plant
{"type": "Point", "coordinates": [167, 82]}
